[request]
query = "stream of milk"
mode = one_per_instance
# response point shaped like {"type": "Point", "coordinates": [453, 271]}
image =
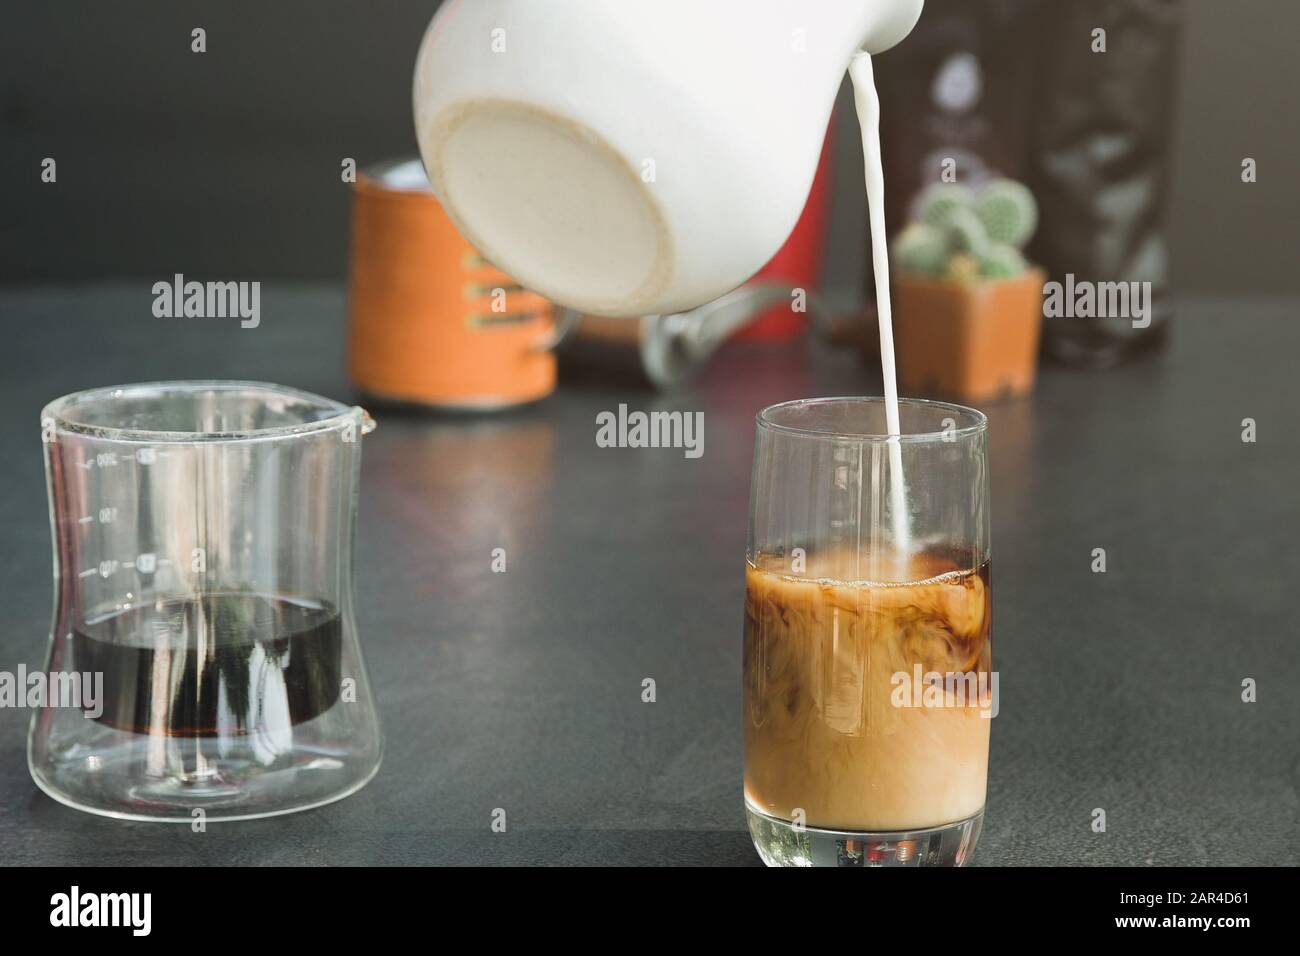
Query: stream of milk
{"type": "Point", "coordinates": [868, 106]}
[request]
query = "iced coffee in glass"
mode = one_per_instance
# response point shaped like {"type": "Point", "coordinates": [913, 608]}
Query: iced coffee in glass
{"type": "Point", "coordinates": [868, 681]}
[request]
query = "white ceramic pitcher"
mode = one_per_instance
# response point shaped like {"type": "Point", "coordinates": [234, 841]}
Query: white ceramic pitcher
{"type": "Point", "coordinates": [625, 157]}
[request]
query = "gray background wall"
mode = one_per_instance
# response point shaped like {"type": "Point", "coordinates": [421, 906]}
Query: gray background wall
{"type": "Point", "coordinates": [227, 163]}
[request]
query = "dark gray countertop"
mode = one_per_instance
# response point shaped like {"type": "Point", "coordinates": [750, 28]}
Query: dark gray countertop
{"type": "Point", "coordinates": [522, 690]}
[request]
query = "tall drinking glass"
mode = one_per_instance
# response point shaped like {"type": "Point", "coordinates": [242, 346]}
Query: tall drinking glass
{"type": "Point", "coordinates": [868, 687]}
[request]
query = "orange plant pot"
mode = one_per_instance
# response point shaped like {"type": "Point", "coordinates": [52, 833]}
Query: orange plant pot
{"type": "Point", "coordinates": [969, 340]}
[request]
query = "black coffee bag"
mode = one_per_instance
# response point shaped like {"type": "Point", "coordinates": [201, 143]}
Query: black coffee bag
{"type": "Point", "coordinates": [1075, 98]}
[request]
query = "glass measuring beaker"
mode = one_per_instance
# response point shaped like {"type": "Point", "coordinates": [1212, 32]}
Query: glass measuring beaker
{"type": "Point", "coordinates": [203, 603]}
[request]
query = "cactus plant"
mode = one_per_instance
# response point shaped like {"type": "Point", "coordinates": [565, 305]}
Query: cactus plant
{"type": "Point", "coordinates": [940, 201]}
{"type": "Point", "coordinates": [967, 234]}
{"type": "Point", "coordinates": [922, 248]}
{"type": "Point", "coordinates": [1008, 212]}
{"type": "Point", "coordinates": [963, 267]}
{"type": "Point", "coordinates": [1002, 261]}
{"type": "Point", "coordinates": [963, 236]}
{"type": "Point", "coordinates": [970, 307]}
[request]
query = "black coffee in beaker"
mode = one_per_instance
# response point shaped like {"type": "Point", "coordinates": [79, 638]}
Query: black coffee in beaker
{"type": "Point", "coordinates": [214, 664]}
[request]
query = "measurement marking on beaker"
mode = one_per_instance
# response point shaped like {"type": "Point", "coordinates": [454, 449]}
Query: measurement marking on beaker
{"type": "Point", "coordinates": [86, 520]}
{"type": "Point", "coordinates": [106, 569]}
